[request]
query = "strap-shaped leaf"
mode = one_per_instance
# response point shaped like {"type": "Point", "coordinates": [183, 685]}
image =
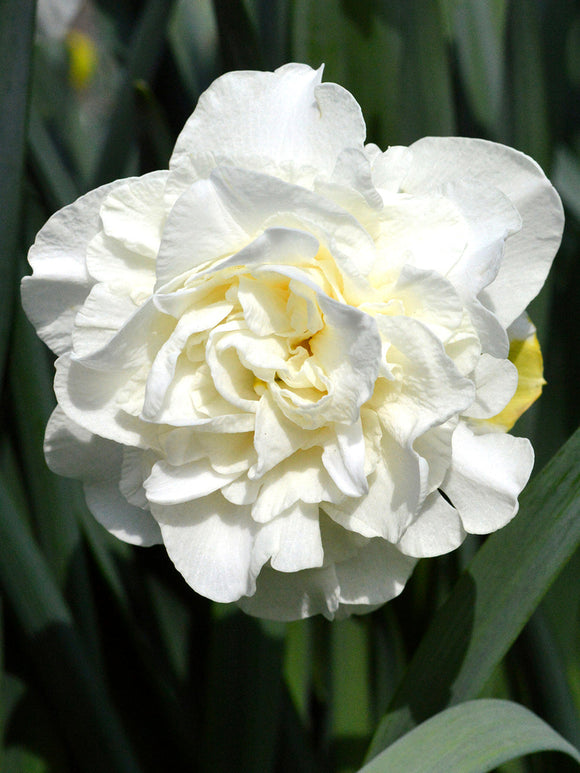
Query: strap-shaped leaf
{"type": "Point", "coordinates": [492, 601]}
{"type": "Point", "coordinates": [73, 687]}
{"type": "Point", "coordinates": [16, 30]}
{"type": "Point", "coordinates": [471, 738]}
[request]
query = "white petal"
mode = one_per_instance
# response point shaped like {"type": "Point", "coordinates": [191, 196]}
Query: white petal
{"type": "Point", "coordinates": [75, 452]}
{"type": "Point", "coordinates": [486, 476]}
{"type": "Point", "coordinates": [390, 168]}
{"type": "Point", "coordinates": [228, 453]}
{"type": "Point", "coordinates": [133, 344]}
{"type": "Point", "coordinates": [163, 368]}
{"type": "Point", "coordinates": [301, 478]}
{"type": "Point", "coordinates": [431, 388]}
{"type": "Point", "coordinates": [135, 470]}
{"type": "Point", "coordinates": [125, 521]}
{"type": "Point", "coordinates": [264, 305]}
{"type": "Point", "coordinates": [347, 351]}
{"type": "Point", "coordinates": [425, 231]}
{"type": "Point", "coordinates": [495, 385]}
{"type": "Point", "coordinates": [491, 219]}
{"type": "Point", "coordinates": [256, 201]}
{"type": "Point", "coordinates": [437, 530]}
{"type": "Point", "coordinates": [351, 187]}
{"type": "Point", "coordinates": [169, 485]}
{"type": "Point", "coordinates": [428, 297]}
{"type": "Point", "coordinates": [91, 399]}
{"type": "Point", "coordinates": [492, 334]}
{"type": "Point", "coordinates": [276, 437]}
{"type": "Point", "coordinates": [110, 261]}
{"type": "Point", "coordinates": [134, 213]}
{"type": "Point", "coordinates": [345, 459]}
{"type": "Point", "coordinates": [60, 282]}
{"type": "Point", "coordinates": [529, 253]}
{"type": "Point", "coordinates": [377, 573]}
{"type": "Point", "coordinates": [285, 116]}
{"type": "Point", "coordinates": [210, 542]}
{"type": "Point", "coordinates": [293, 596]}
{"type": "Point", "coordinates": [101, 316]}
{"type": "Point", "coordinates": [392, 500]}
{"type": "Point", "coordinates": [435, 447]}
{"type": "Point", "coordinates": [291, 541]}
{"type": "Point", "coordinates": [199, 228]}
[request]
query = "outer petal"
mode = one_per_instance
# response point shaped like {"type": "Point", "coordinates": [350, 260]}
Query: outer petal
{"type": "Point", "coordinates": [286, 116]}
{"type": "Point", "coordinates": [486, 476]}
{"type": "Point", "coordinates": [210, 542]}
{"type": "Point", "coordinates": [74, 452]}
{"type": "Point", "coordinates": [495, 384]}
{"type": "Point", "coordinates": [60, 283]}
{"type": "Point", "coordinates": [134, 213]}
{"type": "Point", "coordinates": [377, 573]}
{"type": "Point", "coordinates": [436, 530]}
{"type": "Point", "coordinates": [529, 253]}
{"type": "Point", "coordinates": [91, 399]}
{"type": "Point", "coordinates": [283, 596]}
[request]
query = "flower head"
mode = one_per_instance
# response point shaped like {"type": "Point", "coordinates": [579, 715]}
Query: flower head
{"type": "Point", "coordinates": [282, 358]}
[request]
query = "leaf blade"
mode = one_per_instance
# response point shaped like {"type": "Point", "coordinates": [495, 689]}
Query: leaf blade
{"type": "Point", "coordinates": [473, 737]}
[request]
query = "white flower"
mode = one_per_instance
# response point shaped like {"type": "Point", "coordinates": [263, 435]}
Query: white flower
{"type": "Point", "coordinates": [280, 357]}
{"type": "Point", "coordinates": [54, 18]}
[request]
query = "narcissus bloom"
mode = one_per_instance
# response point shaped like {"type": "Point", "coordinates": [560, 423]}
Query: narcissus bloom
{"type": "Point", "coordinates": [287, 358]}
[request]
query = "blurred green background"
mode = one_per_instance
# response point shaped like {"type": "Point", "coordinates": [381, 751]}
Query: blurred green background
{"type": "Point", "coordinates": [109, 661]}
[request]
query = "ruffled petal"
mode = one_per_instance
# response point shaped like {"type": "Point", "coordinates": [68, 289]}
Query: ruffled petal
{"type": "Point", "coordinates": [293, 119]}
{"type": "Point", "coordinates": [437, 529]}
{"type": "Point", "coordinates": [210, 541]}
{"type": "Point", "coordinates": [487, 474]}
{"type": "Point", "coordinates": [529, 253]}
{"type": "Point", "coordinates": [291, 542]}
{"type": "Point", "coordinates": [60, 282]}
{"type": "Point", "coordinates": [76, 453]}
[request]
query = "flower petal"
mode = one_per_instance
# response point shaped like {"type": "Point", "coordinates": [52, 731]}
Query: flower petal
{"type": "Point", "coordinates": [377, 573]}
{"type": "Point", "coordinates": [529, 253]}
{"type": "Point", "coordinates": [60, 282]}
{"type": "Point", "coordinates": [437, 529]}
{"type": "Point", "coordinates": [294, 119]}
{"type": "Point", "coordinates": [291, 542]}
{"type": "Point", "coordinates": [210, 542]}
{"type": "Point", "coordinates": [76, 453]}
{"type": "Point", "coordinates": [169, 485]}
{"type": "Point", "coordinates": [495, 384]}
{"type": "Point", "coordinates": [125, 521]}
{"type": "Point", "coordinates": [486, 476]}
{"type": "Point", "coordinates": [134, 214]}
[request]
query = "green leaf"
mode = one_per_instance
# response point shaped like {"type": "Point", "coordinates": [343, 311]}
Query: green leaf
{"type": "Point", "coordinates": [473, 737]}
{"type": "Point", "coordinates": [479, 33]}
{"type": "Point", "coordinates": [543, 673]}
{"type": "Point", "coordinates": [528, 97]}
{"type": "Point", "coordinates": [492, 601]}
{"type": "Point", "coordinates": [16, 31]}
{"type": "Point", "coordinates": [56, 181]}
{"type": "Point", "coordinates": [238, 41]}
{"type": "Point", "coordinates": [73, 687]}
{"type": "Point", "coordinates": [244, 695]}
{"type": "Point", "coordinates": [143, 57]}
